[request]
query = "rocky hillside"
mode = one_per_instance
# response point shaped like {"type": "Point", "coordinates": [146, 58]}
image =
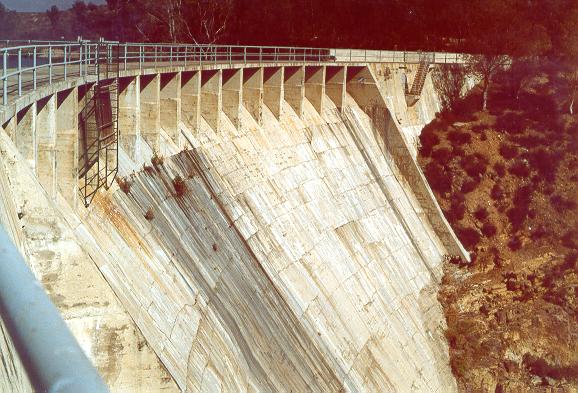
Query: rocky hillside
{"type": "Point", "coordinates": [507, 180]}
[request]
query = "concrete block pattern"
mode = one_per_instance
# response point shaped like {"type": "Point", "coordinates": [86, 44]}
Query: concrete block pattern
{"type": "Point", "coordinates": [315, 86]}
{"type": "Point", "coordinates": [294, 88]}
{"type": "Point", "coordinates": [170, 101]}
{"type": "Point", "coordinates": [67, 144]}
{"type": "Point", "coordinates": [191, 99]}
{"type": "Point", "coordinates": [46, 144]}
{"type": "Point", "coordinates": [253, 92]}
{"type": "Point", "coordinates": [233, 94]}
{"type": "Point", "coordinates": [129, 115]}
{"type": "Point", "coordinates": [212, 97]}
{"type": "Point", "coordinates": [273, 89]}
{"type": "Point", "coordinates": [150, 110]}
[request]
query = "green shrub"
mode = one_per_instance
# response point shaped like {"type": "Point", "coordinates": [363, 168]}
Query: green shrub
{"type": "Point", "coordinates": [442, 155]}
{"type": "Point", "coordinates": [475, 165]}
{"type": "Point", "coordinates": [515, 243]}
{"type": "Point", "coordinates": [481, 213]}
{"type": "Point", "coordinates": [489, 230]}
{"type": "Point", "coordinates": [469, 237]}
{"type": "Point", "coordinates": [508, 151]}
{"type": "Point", "coordinates": [459, 137]}
{"type": "Point", "coordinates": [561, 204]}
{"type": "Point", "coordinates": [520, 168]}
{"type": "Point", "coordinates": [427, 142]}
{"type": "Point", "coordinates": [469, 185]}
{"type": "Point", "coordinates": [500, 169]}
{"type": "Point", "coordinates": [439, 179]}
{"type": "Point", "coordinates": [544, 162]}
{"type": "Point", "coordinates": [456, 212]}
{"type": "Point", "coordinates": [497, 192]}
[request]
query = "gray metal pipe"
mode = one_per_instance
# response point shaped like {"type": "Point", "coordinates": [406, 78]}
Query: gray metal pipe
{"type": "Point", "coordinates": [50, 354]}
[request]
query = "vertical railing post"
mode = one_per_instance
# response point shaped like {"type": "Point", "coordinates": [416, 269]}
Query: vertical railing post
{"type": "Point", "coordinates": [50, 64]}
{"type": "Point", "coordinates": [19, 72]}
{"type": "Point", "coordinates": [171, 55]}
{"type": "Point", "coordinates": [186, 54]}
{"type": "Point", "coordinates": [5, 77]}
{"type": "Point", "coordinates": [260, 55]}
{"type": "Point", "coordinates": [245, 54]}
{"type": "Point", "coordinates": [80, 59]}
{"type": "Point", "coordinates": [125, 55]}
{"type": "Point", "coordinates": [65, 65]}
{"type": "Point", "coordinates": [140, 55]}
{"type": "Point", "coordinates": [34, 69]}
{"type": "Point", "coordinates": [86, 57]}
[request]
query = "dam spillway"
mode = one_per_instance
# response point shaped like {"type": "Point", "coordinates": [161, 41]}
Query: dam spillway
{"type": "Point", "coordinates": [271, 233]}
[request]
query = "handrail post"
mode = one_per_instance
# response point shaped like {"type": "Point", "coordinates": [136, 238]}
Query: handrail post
{"type": "Point", "coordinates": [34, 69]}
{"type": "Point", "coordinates": [245, 54]}
{"type": "Point", "coordinates": [140, 54]}
{"type": "Point", "coordinates": [5, 77]}
{"type": "Point", "coordinates": [65, 68]}
{"type": "Point", "coordinates": [50, 64]}
{"type": "Point", "coordinates": [79, 59]}
{"type": "Point", "coordinates": [125, 56]}
{"type": "Point", "coordinates": [260, 55]}
{"type": "Point", "coordinates": [19, 72]}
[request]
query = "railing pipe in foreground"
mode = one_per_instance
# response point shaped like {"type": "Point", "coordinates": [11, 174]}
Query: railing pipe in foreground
{"type": "Point", "coordinates": [51, 356]}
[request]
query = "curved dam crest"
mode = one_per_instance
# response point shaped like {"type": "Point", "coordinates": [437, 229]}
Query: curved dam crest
{"type": "Point", "coordinates": [301, 252]}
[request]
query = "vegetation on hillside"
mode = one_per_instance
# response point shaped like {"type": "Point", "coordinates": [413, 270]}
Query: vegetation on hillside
{"type": "Point", "coordinates": [507, 180]}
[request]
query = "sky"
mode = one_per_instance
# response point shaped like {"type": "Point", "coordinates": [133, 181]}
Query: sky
{"type": "Point", "coordinates": [41, 5]}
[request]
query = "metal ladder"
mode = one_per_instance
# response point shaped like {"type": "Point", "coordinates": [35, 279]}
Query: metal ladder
{"type": "Point", "coordinates": [413, 95]}
{"type": "Point", "coordinates": [98, 126]}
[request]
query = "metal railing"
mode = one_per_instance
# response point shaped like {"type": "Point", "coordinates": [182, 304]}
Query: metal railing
{"type": "Point", "coordinates": [33, 63]}
{"type": "Point", "coordinates": [53, 360]}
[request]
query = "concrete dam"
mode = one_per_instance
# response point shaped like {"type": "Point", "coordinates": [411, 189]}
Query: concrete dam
{"type": "Point", "coordinates": [268, 228]}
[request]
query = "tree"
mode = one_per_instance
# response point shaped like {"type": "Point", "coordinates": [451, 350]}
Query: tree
{"type": "Point", "coordinates": [449, 80]}
{"type": "Point", "coordinates": [519, 74]}
{"type": "Point", "coordinates": [484, 67]}
{"type": "Point", "coordinates": [79, 10]}
{"type": "Point", "coordinates": [7, 21]}
{"type": "Point", "coordinates": [569, 54]}
{"type": "Point", "coordinates": [54, 15]}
